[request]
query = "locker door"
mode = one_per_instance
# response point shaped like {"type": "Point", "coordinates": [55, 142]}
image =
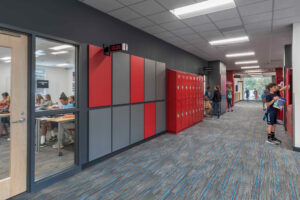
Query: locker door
{"type": "Point", "coordinates": [121, 127]}
{"type": "Point", "coordinates": [150, 120]}
{"type": "Point", "coordinates": [137, 82]}
{"type": "Point", "coordinates": [178, 86]}
{"type": "Point", "coordinates": [121, 78]}
{"type": "Point", "coordinates": [178, 117]}
{"type": "Point", "coordinates": [99, 77]}
{"type": "Point", "coordinates": [150, 83]}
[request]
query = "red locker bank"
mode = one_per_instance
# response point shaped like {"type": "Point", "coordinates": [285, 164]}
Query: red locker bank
{"type": "Point", "coordinates": [185, 98]}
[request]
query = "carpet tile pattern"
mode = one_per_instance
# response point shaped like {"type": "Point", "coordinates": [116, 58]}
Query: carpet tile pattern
{"type": "Point", "coordinates": [224, 158]}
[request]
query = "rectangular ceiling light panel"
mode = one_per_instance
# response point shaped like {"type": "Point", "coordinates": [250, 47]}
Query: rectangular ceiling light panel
{"type": "Point", "coordinates": [246, 62]}
{"type": "Point", "coordinates": [203, 8]}
{"type": "Point", "coordinates": [250, 67]}
{"type": "Point", "coordinates": [233, 55]}
{"type": "Point", "coordinates": [230, 40]}
{"type": "Point", "coordinates": [60, 47]}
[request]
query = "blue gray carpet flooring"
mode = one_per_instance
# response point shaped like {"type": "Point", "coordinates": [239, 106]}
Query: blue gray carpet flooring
{"type": "Point", "coordinates": [224, 158]}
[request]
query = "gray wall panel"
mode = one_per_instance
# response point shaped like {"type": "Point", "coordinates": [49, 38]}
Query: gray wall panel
{"type": "Point", "coordinates": [160, 81]}
{"type": "Point", "coordinates": [99, 133]}
{"type": "Point", "coordinates": [150, 80]}
{"type": "Point", "coordinates": [161, 117]}
{"type": "Point", "coordinates": [137, 123]}
{"type": "Point", "coordinates": [121, 127]}
{"type": "Point", "coordinates": [121, 78]}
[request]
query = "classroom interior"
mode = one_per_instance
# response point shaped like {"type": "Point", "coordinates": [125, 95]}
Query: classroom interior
{"type": "Point", "coordinates": [54, 90]}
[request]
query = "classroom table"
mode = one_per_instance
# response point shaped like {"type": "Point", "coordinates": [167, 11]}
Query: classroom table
{"type": "Point", "coordinates": [60, 120]}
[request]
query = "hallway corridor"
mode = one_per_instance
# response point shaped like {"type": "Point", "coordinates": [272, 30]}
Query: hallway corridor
{"type": "Point", "coordinates": [216, 159]}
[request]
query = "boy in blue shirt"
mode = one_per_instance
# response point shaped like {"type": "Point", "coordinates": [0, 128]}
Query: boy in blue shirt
{"type": "Point", "coordinates": [272, 113]}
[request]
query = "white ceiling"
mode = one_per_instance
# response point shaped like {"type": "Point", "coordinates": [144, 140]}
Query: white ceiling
{"type": "Point", "coordinates": [266, 22]}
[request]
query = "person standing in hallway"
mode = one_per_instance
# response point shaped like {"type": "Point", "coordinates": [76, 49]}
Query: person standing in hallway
{"type": "Point", "coordinates": [247, 94]}
{"type": "Point", "coordinates": [207, 100]}
{"type": "Point", "coordinates": [263, 98]}
{"type": "Point", "coordinates": [229, 99]}
{"type": "Point", "coordinates": [217, 98]}
{"type": "Point", "coordinates": [272, 114]}
{"type": "Point", "coordinates": [255, 94]}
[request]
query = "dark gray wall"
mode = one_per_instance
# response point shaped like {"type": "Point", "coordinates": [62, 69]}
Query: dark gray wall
{"type": "Point", "coordinates": [214, 79]}
{"type": "Point", "coordinates": [288, 56]}
{"type": "Point", "coordinates": [73, 20]}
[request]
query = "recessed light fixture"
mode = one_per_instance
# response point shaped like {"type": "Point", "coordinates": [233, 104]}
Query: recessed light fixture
{"type": "Point", "coordinates": [6, 58]}
{"type": "Point", "coordinates": [7, 61]}
{"type": "Point", "coordinates": [246, 62]}
{"type": "Point", "coordinates": [250, 67]}
{"type": "Point", "coordinates": [253, 71]}
{"type": "Point", "coordinates": [230, 40]}
{"type": "Point", "coordinates": [62, 65]}
{"type": "Point", "coordinates": [60, 47]}
{"type": "Point", "coordinates": [203, 8]}
{"type": "Point", "coordinates": [233, 55]}
{"type": "Point", "coordinates": [39, 53]}
{"type": "Point", "coordinates": [59, 52]}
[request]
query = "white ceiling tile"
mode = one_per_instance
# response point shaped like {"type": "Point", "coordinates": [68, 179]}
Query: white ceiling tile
{"type": "Point", "coordinates": [286, 21]}
{"type": "Point", "coordinates": [280, 4]}
{"type": "Point", "coordinates": [172, 4]}
{"type": "Point", "coordinates": [259, 31]}
{"type": "Point", "coordinates": [172, 39]}
{"type": "Point", "coordinates": [247, 2]}
{"type": "Point", "coordinates": [154, 29]}
{"type": "Point", "coordinates": [162, 17]}
{"type": "Point", "coordinates": [183, 31]}
{"type": "Point", "coordinates": [140, 22]}
{"type": "Point", "coordinates": [191, 37]}
{"type": "Point", "coordinates": [256, 8]}
{"type": "Point", "coordinates": [234, 33]}
{"type": "Point", "coordinates": [147, 7]}
{"type": "Point", "coordinates": [129, 2]}
{"type": "Point", "coordinates": [229, 23]}
{"type": "Point", "coordinates": [205, 27]}
{"type": "Point", "coordinates": [259, 25]}
{"type": "Point", "coordinates": [257, 18]}
{"type": "Point", "coordinates": [212, 35]}
{"type": "Point", "coordinates": [165, 34]}
{"type": "Point", "coordinates": [226, 14]}
{"type": "Point", "coordinates": [173, 25]}
{"type": "Point", "coordinates": [179, 42]}
{"type": "Point", "coordinates": [202, 19]}
{"type": "Point", "coordinates": [200, 42]}
{"type": "Point", "coordinates": [104, 5]}
{"type": "Point", "coordinates": [124, 14]}
{"type": "Point", "coordinates": [285, 13]}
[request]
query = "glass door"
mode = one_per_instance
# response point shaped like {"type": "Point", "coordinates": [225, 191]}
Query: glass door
{"type": "Point", "coordinates": [13, 113]}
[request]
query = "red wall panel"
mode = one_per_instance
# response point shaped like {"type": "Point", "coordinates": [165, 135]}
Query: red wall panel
{"type": "Point", "coordinates": [150, 120]}
{"type": "Point", "coordinates": [99, 77]}
{"type": "Point", "coordinates": [279, 79]}
{"type": "Point", "coordinates": [137, 79]}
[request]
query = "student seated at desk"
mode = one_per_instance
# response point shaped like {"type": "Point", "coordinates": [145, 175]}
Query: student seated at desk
{"type": "Point", "coordinates": [65, 105]}
{"type": "Point", "coordinates": [72, 100]}
{"type": "Point", "coordinates": [4, 108]}
{"type": "Point", "coordinates": [39, 100]}
{"type": "Point", "coordinates": [48, 101]}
